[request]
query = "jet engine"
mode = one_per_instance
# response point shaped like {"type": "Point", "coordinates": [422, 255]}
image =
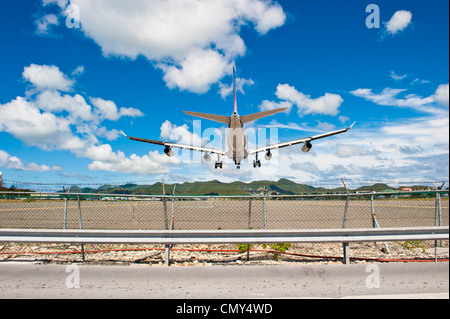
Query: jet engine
{"type": "Point", "coordinates": [307, 147]}
{"type": "Point", "coordinates": [207, 157]}
{"type": "Point", "coordinates": [169, 151]}
{"type": "Point", "coordinates": [268, 155]}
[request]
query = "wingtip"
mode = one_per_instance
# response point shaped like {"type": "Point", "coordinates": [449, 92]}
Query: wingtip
{"type": "Point", "coordinates": [352, 125]}
{"type": "Point", "coordinates": [123, 133]}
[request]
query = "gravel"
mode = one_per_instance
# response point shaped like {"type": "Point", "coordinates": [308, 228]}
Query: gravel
{"type": "Point", "coordinates": [208, 255]}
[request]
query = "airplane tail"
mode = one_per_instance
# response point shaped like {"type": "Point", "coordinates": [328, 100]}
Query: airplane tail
{"type": "Point", "coordinates": [227, 119]}
{"type": "Point", "coordinates": [216, 118]}
{"type": "Point", "coordinates": [234, 90]}
{"type": "Point", "coordinates": [257, 116]}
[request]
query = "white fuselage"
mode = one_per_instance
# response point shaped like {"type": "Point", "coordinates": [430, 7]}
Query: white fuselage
{"type": "Point", "coordinates": [236, 140]}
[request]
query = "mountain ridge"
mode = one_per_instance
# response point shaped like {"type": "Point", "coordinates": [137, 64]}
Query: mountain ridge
{"type": "Point", "coordinates": [217, 188]}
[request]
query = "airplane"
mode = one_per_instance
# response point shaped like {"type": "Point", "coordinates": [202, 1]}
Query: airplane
{"type": "Point", "coordinates": [236, 137]}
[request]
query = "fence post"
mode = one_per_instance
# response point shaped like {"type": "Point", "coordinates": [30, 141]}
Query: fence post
{"type": "Point", "coordinates": [345, 246]}
{"type": "Point", "coordinates": [375, 222]}
{"type": "Point", "coordinates": [249, 225]}
{"type": "Point", "coordinates": [166, 225]}
{"type": "Point", "coordinates": [81, 226]}
{"type": "Point", "coordinates": [65, 213]}
{"type": "Point", "coordinates": [437, 220]}
{"type": "Point", "coordinates": [265, 208]}
{"type": "Point", "coordinates": [344, 222]}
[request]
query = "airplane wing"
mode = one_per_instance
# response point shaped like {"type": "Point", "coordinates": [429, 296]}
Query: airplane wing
{"type": "Point", "coordinates": [176, 145]}
{"type": "Point", "coordinates": [305, 140]}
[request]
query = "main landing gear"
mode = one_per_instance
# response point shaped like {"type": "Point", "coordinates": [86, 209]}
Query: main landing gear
{"type": "Point", "coordinates": [257, 162]}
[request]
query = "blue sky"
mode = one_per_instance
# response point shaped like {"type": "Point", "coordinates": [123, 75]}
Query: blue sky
{"type": "Point", "coordinates": [75, 73]}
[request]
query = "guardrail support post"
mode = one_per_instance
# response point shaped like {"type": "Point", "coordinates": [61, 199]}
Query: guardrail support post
{"type": "Point", "coordinates": [346, 248]}
{"type": "Point", "coordinates": [249, 225]}
{"type": "Point", "coordinates": [81, 227]}
{"type": "Point", "coordinates": [166, 224]}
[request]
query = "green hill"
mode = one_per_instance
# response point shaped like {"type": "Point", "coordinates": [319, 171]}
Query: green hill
{"type": "Point", "coordinates": [216, 188]}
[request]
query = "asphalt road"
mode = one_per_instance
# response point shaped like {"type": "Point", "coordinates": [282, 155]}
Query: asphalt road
{"type": "Point", "coordinates": [394, 280]}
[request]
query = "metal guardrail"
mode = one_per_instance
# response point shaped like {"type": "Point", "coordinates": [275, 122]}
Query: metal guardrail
{"type": "Point", "coordinates": [168, 237]}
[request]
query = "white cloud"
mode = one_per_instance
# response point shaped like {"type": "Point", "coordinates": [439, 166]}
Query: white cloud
{"type": "Point", "coordinates": [61, 3]}
{"type": "Point", "coordinates": [389, 97]}
{"type": "Point", "coordinates": [192, 41]}
{"type": "Point", "coordinates": [108, 110]}
{"type": "Point", "coordinates": [180, 134]}
{"type": "Point", "coordinates": [399, 22]}
{"type": "Point", "coordinates": [24, 121]}
{"type": "Point", "coordinates": [12, 162]}
{"type": "Point", "coordinates": [419, 81]}
{"type": "Point", "coordinates": [350, 150]}
{"type": "Point", "coordinates": [78, 71]}
{"type": "Point", "coordinates": [197, 72]}
{"type": "Point", "coordinates": [270, 105]}
{"type": "Point", "coordinates": [52, 121]}
{"type": "Point", "coordinates": [328, 104]}
{"type": "Point", "coordinates": [398, 77]}
{"type": "Point", "coordinates": [45, 23]}
{"type": "Point", "coordinates": [227, 89]}
{"type": "Point", "coordinates": [47, 77]}
{"type": "Point", "coordinates": [442, 95]}
{"type": "Point", "coordinates": [153, 163]}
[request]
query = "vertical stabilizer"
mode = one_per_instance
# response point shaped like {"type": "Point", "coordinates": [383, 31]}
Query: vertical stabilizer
{"type": "Point", "coordinates": [234, 89]}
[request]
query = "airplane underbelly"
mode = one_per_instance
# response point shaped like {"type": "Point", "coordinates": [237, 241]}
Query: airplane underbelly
{"type": "Point", "coordinates": [237, 145]}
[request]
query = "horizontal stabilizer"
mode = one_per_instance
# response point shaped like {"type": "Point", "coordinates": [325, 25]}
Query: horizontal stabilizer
{"type": "Point", "coordinates": [257, 116]}
{"type": "Point", "coordinates": [216, 118]}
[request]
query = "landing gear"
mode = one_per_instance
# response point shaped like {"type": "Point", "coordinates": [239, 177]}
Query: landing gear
{"type": "Point", "coordinates": [256, 163]}
{"type": "Point", "coordinates": [218, 165]}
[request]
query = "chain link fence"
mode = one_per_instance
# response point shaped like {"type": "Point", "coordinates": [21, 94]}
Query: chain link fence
{"type": "Point", "coordinates": [122, 212]}
{"type": "Point", "coordinates": [326, 211]}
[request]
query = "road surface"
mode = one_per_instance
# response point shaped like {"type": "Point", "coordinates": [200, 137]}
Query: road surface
{"type": "Point", "coordinates": [398, 280]}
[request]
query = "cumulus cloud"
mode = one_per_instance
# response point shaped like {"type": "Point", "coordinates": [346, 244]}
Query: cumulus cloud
{"type": "Point", "coordinates": [51, 120]}
{"type": "Point", "coordinates": [108, 110]}
{"type": "Point", "coordinates": [192, 41]}
{"type": "Point", "coordinates": [47, 77]}
{"type": "Point", "coordinates": [328, 104]}
{"type": "Point", "coordinates": [389, 97]}
{"type": "Point", "coordinates": [46, 23]}
{"type": "Point", "coordinates": [442, 95]}
{"type": "Point", "coordinates": [180, 134]}
{"type": "Point", "coordinates": [153, 162]}
{"type": "Point", "coordinates": [197, 72]}
{"type": "Point", "coordinates": [12, 162]}
{"type": "Point", "coordinates": [399, 22]}
{"type": "Point", "coordinates": [267, 105]}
